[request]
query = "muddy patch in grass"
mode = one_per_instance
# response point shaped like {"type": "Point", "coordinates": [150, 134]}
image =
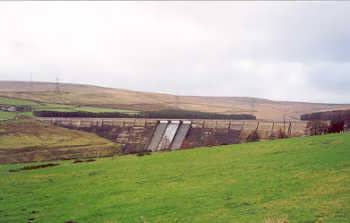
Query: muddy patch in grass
{"type": "Point", "coordinates": [33, 167]}
{"type": "Point", "coordinates": [143, 153]}
{"type": "Point", "coordinates": [84, 161]}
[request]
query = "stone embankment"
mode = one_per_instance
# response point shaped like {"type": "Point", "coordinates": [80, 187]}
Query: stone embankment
{"type": "Point", "coordinates": [140, 135]}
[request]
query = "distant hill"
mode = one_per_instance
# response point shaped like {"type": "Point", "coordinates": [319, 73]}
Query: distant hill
{"type": "Point", "coordinates": [88, 95]}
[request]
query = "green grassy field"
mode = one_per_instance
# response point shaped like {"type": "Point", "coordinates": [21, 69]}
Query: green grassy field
{"type": "Point", "coordinates": [11, 115]}
{"type": "Point", "coordinates": [100, 109]}
{"type": "Point", "coordinates": [30, 133]}
{"type": "Point", "coordinates": [26, 139]}
{"type": "Point", "coordinates": [306, 180]}
{"type": "Point", "coordinates": [13, 101]}
{"type": "Point", "coordinates": [52, 107]}
{"type": "Point", "coordinates": [7, 115]}
{"type": "Point", "coordinates": [72, 108]}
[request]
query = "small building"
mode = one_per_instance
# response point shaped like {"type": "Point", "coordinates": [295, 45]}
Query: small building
{"type": "Point", "coordinates": [16, 108]}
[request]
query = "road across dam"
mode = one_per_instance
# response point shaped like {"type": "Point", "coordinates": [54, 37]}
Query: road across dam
{"type": "Point", "coordinates": [140, 135]}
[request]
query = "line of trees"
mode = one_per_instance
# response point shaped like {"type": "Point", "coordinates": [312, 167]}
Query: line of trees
{"type": "Point", "coordinates": [339, 121]}
{"type": "Point", "coordinates": [81, 114]}
{"type": "Point", "coordinates": [328, 115]}
{"type": "Point", "coordinates": [165, 114]}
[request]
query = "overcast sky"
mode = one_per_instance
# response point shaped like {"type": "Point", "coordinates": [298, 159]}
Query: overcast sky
{"type": "Point", "coordinates": [278, 50]}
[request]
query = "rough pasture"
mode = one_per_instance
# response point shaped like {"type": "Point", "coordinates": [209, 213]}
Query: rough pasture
{"type": "Point", "coordinates": [302, 179]}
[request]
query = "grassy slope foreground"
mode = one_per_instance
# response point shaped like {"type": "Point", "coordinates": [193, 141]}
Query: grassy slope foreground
{"type": "Point", "coordinates": [306, 179]}
{"type": "Point", "coordinates": [27, 140]}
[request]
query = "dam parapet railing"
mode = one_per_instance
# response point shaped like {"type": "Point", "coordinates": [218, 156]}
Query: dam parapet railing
{"type": "Point", "coordinates": [196, 123]}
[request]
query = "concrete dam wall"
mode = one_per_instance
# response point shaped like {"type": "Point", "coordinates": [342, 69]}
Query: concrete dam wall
{"type": "Point", "coordinates": [141, 135]}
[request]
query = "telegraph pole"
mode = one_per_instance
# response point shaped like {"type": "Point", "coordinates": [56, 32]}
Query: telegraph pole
{"type": "Point", "coordinates": [31, 83]}
{"type": "Point", "coordinates": [177, 100]}
{"type": "Point", "coordinates": [252, 105]}
{"type": "Point", "coordinates": [57, 85]}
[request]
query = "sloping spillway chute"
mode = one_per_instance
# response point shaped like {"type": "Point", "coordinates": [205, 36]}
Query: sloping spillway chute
{"type": "Point", "coordinates": [180, 135]}
{"type": "Point", "coordinates": [157, 135]}
{"type": "Point", "coordinates": [169, 135]}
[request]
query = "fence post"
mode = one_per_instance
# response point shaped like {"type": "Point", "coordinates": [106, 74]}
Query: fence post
{"type": "Point", "coordinates": [290, 128]}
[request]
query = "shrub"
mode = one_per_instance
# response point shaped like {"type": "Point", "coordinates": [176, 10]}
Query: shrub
{"type": "Point", "coordinates": [328, 115]}
{"type": "Point", "coordinates": [336, 126]}
{"type": "Point", "coordinates": [253, 136]}
{"type": "Point", "coordinates": [317, 127]}
{"type": "Point", "coordinates": [281, 134]}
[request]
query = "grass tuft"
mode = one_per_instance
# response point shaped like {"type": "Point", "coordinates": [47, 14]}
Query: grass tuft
{"type": "Point", "coordinates": [276, 220]}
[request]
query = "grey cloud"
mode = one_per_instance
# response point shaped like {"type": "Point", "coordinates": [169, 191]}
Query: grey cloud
{"type": "Point", "coordinates": [331, 78]}
{"type": "Point", "coordinates": [286, 51]}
